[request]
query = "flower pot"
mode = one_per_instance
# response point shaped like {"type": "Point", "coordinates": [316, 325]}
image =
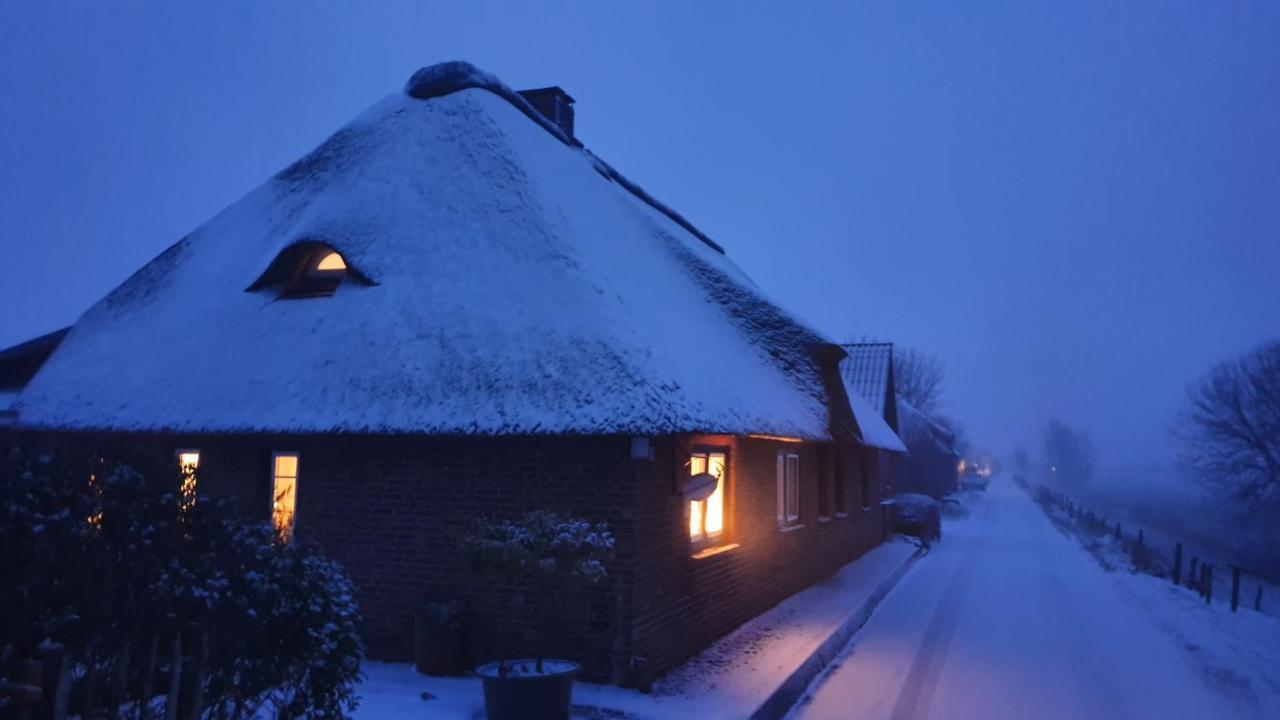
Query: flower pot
{"type": "Point", "coordinates": [515, 691]}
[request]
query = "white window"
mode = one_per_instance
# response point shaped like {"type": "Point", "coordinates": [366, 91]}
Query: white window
{"type": "Point", "coordinates": [188, 461]}
{"type": "Point", "coordinates": [788, 488]}
{"type": "Point", "coordinates": [706, 517]}
{"type": "Point", "coordinates": [284, 492]}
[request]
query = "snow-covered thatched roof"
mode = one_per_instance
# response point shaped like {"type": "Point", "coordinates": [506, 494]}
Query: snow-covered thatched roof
{"type": "Point", "coordinates": [512, 283]}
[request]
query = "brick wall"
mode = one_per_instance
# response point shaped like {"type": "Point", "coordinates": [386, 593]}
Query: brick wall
{"type": "Point", "coordinates": [391, 509]}
{"type": "Point", "coordinates": [685, 600]}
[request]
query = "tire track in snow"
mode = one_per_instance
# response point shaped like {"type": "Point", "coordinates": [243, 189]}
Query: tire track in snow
{"type": "Point", "coordinates": [916, 695]}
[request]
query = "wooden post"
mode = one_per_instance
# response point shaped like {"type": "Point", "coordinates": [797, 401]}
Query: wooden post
{"type": "Point", "coordinates": [1235, 587]}
{"type": "Point", "coordinates": [175, 677]}
{"type": "Point", "coordinates": [57, 681]}
{"type": "Point", "coordinates": [192, 704]}
{"type": "Point", "coordinates": [147, 684]}
{"type": "Point", "coordinates": [1177, 564]}
{"type": "Point", "coordinates": [1257, 603]}
{"type": "Point", "coordinates": [118, 684]}
{"type": "Point", "coordinates": [27, 692]}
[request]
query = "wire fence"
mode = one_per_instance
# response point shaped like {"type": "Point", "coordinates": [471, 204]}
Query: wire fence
{"type": "Point", "coordinates": [1155, 553]}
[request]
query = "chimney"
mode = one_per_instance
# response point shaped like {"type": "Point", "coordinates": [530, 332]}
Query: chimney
{"type": "Point", "coordinates": [554, 104]}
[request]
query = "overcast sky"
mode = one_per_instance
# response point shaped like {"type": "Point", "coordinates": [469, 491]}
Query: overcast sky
{"type": "Point", "coordinates": [1077, 208]}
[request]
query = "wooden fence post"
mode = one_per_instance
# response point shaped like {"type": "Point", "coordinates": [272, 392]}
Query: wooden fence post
{"type": "Point", "coordinates": [27, 692]}
{"type": "Point", "coordinates": [57, 681]}
{"type": "Point", "coordinates": [1235, 587]}
{"type": "Point", "coordinates": [175, 677]}
{"type": "Point", "coordinates": [1257, 603]}
{"type": "Point", "coordinates": [1177, 564]}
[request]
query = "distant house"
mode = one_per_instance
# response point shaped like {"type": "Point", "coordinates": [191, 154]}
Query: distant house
{"type": "Point", "coordinates": [452, 309]}
{"type": "Point", "coordinates": [932, 465]}
{"type": "Point", "coordinates": [867, 372]}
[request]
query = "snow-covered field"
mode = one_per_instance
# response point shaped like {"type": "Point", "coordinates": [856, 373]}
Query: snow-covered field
{"type": "Point", "coordinates": [1011, 618]}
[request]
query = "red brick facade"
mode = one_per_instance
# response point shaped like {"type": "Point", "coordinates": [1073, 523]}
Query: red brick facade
{"type": "Point", "coordinates": [392, 508]}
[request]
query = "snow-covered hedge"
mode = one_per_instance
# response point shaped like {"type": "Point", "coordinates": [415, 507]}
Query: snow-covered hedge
{"type": "Point", "coordinates": [99, 556]}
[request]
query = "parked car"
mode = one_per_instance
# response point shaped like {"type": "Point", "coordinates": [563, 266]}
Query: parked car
{"type": "Point", "coordinates": [973, 480]}
{"type": "Point", "coordinates": [916, 515]}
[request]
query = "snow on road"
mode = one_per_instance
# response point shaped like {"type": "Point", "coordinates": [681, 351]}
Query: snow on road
{"type": "Point", "coordinates": [1010, 618]}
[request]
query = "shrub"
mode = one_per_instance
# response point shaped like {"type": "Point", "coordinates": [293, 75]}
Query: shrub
{"type": "Point", "coordinates": [101, 557]}
{"type": "Point", "coordinates": [541, 550]}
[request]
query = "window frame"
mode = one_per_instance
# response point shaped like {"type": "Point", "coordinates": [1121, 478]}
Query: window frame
{"type": "Point", "coordinates": [187, 496]}
{"type": "Point", "coordinates": [271, 495]}
{"type": "Point", "coordinates": [788, 509]}
{"type": "Point", "coordinates": [707, 540]}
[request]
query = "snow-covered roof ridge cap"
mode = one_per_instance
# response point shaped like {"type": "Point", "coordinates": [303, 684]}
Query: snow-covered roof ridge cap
{"type": "Point", "coordinates": [446, 78]}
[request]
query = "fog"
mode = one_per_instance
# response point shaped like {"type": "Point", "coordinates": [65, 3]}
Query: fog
{"type": "Point", "coordinates": [1074, 208]}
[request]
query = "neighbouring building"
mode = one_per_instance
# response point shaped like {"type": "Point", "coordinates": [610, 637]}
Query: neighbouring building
{"type": "Point", "coordinates": [452, 309]}
{"type": "Point", "coordinates": [932, 465]}
{"type": "Point", "coordinates": [867, 371]}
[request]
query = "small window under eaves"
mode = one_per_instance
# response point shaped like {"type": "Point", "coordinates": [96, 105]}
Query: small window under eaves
{"type": "Point", "coordinates": [308, 270]}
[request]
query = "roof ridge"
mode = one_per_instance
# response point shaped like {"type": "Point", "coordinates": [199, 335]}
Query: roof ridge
{"type": "Point", "coordinates": [447, 78]}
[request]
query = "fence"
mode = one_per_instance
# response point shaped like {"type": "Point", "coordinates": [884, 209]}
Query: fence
{"type": "Point", "coordinates": [1236, 584]}
{"type": "Point", "coordinates": [159, 679]}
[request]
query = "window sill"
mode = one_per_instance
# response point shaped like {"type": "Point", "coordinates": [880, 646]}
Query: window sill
{"type": "Point", "coordinates": [790, 528]}
{"type": "Point", "coordinates": [713, 551]}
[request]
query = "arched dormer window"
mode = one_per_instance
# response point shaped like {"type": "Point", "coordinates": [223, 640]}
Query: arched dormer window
{"type": "Point", "coordinates": [308, 270]}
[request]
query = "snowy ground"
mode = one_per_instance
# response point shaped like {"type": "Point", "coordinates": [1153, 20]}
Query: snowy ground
{"type": "Point", "coordinates": [1011, 618]}
{"type": "Point", "coordinates": [729, 680]}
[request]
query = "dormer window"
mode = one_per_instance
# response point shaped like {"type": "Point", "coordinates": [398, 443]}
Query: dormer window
{"type": "Point", "coordinates": [331, 262]}
{"type": "Point", "coordinates": [321, 275]}
{"type": "Point", "coordinates": [308, 270]}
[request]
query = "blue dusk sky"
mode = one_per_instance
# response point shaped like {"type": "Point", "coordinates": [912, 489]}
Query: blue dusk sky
{"type": "Point", "coordinates": [1076, 206]}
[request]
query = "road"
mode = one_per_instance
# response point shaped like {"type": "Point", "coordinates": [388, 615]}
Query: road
{"type": "Point", "coordinates": [1009, 618]}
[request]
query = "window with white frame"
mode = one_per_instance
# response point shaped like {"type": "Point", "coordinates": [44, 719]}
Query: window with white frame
{"type": "Point", "coordinates": [706, 517]}
{"type": "Point", "coordinates": [284, 492]}
{"type": "Point", "coordinates": [788, 488]}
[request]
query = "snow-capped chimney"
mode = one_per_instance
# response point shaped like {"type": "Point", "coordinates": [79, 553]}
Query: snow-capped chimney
{"type": "Point", "coordinates": [554, 104]}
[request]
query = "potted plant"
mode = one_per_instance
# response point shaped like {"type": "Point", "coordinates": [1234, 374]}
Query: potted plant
{"type": "Point", "coordinates": [537, 553]}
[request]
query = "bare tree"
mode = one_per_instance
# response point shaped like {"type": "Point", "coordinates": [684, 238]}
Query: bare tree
{"type": "Point", "coordinates": [1069, 454]}
{"type": "Point", "coordinates": [918, 377]}
{"type": "Point", "coordinates": [1230, 429]}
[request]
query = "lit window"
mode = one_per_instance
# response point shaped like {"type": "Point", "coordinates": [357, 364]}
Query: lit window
{"type": "Point", "coordinates": [284, 492]}
{"type": "Point", "coordinates": [706, 517]}
{"type": "Point", "coordinates": [188, 461]}
{"type": "Point", "coordinates": [788, 488]}
{"type": "Point", "coordinates": [330, 262]}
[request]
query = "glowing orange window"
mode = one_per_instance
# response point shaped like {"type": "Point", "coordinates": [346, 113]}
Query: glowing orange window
{"type": "Point", "coordinates": [284, 492]}
{"type": "Point", "coordinates": [706, 517]}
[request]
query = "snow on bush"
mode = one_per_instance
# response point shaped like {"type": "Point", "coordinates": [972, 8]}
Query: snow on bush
{"type": "Point", "coordinates": [100, 555]}
{"type": "Point", "coordinates": [538, 551]}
